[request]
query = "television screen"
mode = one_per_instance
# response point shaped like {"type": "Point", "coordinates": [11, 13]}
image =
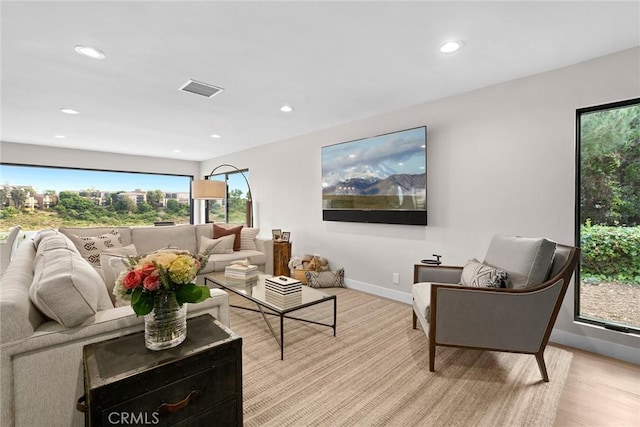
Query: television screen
{"type": "Point", "coordinates": [380, 179]}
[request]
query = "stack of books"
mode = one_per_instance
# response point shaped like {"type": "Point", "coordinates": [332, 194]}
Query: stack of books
{"type": "Point", "coordinates": [282, 291]}
{"type": "Point", "coordinates": [242, 272]}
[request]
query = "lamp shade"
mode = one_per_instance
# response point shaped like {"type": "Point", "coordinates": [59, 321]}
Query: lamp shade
{"type": "Point", "coordinates": [207, 189]}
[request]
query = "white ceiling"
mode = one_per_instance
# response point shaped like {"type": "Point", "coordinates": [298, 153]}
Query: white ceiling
{"type": "Point", "coordinates": [334, 62]}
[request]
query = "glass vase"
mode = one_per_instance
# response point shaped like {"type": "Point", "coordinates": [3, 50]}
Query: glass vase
{"type": "Point", "coordinates": [166, 325]}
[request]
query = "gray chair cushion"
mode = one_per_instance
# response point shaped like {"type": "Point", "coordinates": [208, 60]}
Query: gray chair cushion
{"type": "Point", "coordinates": [526, 259]}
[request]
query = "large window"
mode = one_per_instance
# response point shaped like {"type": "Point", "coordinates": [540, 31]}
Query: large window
{"type": "Point", "coordinates": [36, 197]}
{"type": "Point", "coordinates": [234, 209]}
{"type": "Point", "coordinates": [608, 215]}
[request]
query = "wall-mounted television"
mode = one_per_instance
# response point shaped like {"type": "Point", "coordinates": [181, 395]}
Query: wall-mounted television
{"type": "Point", "coordinates": [378, 179]}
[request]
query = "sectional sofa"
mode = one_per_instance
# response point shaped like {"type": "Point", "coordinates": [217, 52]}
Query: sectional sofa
{"type": "Point", "coordinates": [55, 298]}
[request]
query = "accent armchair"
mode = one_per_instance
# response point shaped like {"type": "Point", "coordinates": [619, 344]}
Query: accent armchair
{"type": "Point", "coordinates": [481, 314]}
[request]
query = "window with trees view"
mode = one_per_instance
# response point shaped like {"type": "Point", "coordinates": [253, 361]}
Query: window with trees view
{"type": "Point", "coordinates": [37, 197]}
{"type": "Point", "coordinates": [233, 209]}
{"type": "Point", "coordinates": [608, 213]}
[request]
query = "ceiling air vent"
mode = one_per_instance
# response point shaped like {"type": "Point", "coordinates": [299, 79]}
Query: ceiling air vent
{"type": "Point", "coordinates": [200, 88]}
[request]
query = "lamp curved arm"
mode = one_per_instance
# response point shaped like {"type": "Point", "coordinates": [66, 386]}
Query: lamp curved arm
{"type": "Point", "coordinates": [249, 219]}
{"type": "Point", "coordinates": [241, 173]}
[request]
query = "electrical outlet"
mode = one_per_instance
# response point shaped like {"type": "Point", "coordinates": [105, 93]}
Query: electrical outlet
{"type": "Point", "coordinates": [396, 278]}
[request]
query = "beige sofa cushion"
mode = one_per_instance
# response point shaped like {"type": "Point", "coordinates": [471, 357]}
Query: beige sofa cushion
{"type": "Point", "coordinates": [125, 232]}
{"type": "Point", "coordinates": [65, 287]}
{"type": "Point", "coordinates": [18, 316]}
{"type": "Point", "coordinates": [149, 239]}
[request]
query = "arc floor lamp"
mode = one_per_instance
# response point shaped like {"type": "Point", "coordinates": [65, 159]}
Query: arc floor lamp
{"type": "Point", "coordinates": [210, 189]}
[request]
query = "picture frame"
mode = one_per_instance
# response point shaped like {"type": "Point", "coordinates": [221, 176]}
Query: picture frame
{"type": "Point", "coordinates": [276, 234]}
{"type": "Point", "coordinates": [286, 235]}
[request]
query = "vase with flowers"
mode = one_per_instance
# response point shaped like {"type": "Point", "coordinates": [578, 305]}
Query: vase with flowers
{"type": "Point", "coordinates": [158, 285]}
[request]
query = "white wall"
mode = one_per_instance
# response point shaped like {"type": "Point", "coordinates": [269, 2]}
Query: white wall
{"type": "Point", "coordinates": [500, 160]}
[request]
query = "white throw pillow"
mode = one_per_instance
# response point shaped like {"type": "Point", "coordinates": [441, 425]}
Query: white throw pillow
{"type": "Point", "coordinates": [66, 288]}
{"type": "Point", "coordinates": [111, 269]}
{"type": "Point", "coordinates": [480, 275]}
{"type": "Point", "coordinates": [248, 239]}
{"type": "Point", "coordinates": [221, 245]}
{"type": "Point", "coordinates": [91, 247]}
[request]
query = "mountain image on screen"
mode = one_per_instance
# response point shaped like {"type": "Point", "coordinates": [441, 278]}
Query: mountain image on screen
{"type": "Point", "coordinates": [386, 172]}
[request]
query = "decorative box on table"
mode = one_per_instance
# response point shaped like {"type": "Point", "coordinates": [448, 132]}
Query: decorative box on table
{"type": "Point", "coordinates": [238, 271]}
{"type": "Point", "coordinates": [283, 285]}
{"type": "Point", "coordinates": [282, 291]}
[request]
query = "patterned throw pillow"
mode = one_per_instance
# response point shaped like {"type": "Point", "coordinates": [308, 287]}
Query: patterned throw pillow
{"type": "Point", "coordinates": [325, 279]}
{"type": "Point", "coordinates": [479, 275]}
{"type": "Point", "coordinates": [91, 247]}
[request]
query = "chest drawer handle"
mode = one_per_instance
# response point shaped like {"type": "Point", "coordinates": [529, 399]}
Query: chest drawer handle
{"type": "Point", "coordinates": [170, 408]}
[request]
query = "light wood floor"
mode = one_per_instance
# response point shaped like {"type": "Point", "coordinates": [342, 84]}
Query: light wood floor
{"type": "Point", "coordinates": [599, 391]}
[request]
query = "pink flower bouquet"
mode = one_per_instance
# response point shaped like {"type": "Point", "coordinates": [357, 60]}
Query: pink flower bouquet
{"type": "Point", "coordinates": [163, 271]}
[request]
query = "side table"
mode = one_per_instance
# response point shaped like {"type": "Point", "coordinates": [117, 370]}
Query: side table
{"type": "Point", "coordinates": [198, 383]}
{"type": "Point", "coordinates": [281, 257]}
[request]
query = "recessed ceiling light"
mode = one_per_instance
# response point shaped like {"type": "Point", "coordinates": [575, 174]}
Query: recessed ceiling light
{"type": "Point", "coordinates": [68, 111]}
{"type": "Point", "coordinates": [451, 46]}
{"type": "Point", "coordinates": [176, 151]}
{"type": "Point", "coordinates": [286, 109]}
{"type": "Point", "coordinates": [59, 136]}
{"type": "Point", "coordinates": [215, 135]}
{"type": "Point", "coordinates": [89, 51]}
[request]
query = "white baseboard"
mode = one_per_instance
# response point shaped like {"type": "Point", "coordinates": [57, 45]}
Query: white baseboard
{"type": "Point", "coordinates": [595, 345]}
{"type": "Point", "coordinates": [380, 291]}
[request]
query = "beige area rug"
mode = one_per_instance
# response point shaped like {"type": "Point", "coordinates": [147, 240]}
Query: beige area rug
{"type": "Point", "coordinates": [375, 372]}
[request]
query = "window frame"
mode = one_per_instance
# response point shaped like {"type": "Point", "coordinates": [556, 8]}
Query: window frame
{"type": "Point", "coordinates": [190, 177]}
{"type": "Point", "coordinates": [244, 173]}
{"type": "Point", "coordinates": [577, 217]}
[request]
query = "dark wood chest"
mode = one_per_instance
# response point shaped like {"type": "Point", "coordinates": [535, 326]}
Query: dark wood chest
{"type": "Point", "coordinates": [198, 383]}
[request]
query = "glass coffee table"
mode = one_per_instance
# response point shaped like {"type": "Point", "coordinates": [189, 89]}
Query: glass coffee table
{"type": "Point", "coordinates": [254, 290]}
